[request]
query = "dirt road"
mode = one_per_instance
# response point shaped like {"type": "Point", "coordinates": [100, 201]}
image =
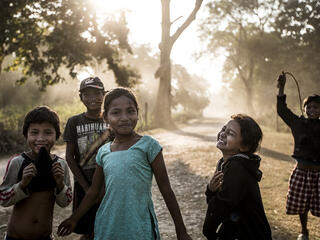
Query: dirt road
{"type": "Point", "coordinates": [190, 155]}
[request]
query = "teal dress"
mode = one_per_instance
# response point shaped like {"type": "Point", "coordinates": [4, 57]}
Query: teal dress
{"type": "Point", "coordinates": [126, 211]}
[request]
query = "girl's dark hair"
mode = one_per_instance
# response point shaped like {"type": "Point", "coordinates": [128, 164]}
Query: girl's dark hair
{"type": "Point", "coordinates": [312, 98]}
{"type": "Point", "coordinates": [118, 92]}
{"type": "Point", "coordinates": [250, 132]}
{"type": "Point", "coordinates": [41, 114]}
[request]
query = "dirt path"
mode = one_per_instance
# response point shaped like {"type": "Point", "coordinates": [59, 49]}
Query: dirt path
{"type": "Point", "coordinates": [190, 157]}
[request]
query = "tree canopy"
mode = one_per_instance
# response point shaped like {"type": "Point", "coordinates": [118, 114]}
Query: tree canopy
{"type": "Point", "coordinates": [299, 24]}
{"type": "Point", "coordinates": [39, 37]}
{"type": "Point", "coordinates": [189, 93]}
{"type": "Point", "coordinates": [260, 39]}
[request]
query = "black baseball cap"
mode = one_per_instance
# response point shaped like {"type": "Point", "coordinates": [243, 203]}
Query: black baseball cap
{"type": "Point", "coordinates": [91, 82]}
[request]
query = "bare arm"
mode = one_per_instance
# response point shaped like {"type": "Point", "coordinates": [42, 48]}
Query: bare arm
{"type": "Point", "coordinates": [160, 172]}
{"type": "Point", "coordinates": [74, 167]}
{"type": "Point", "coordinates": [68, 225]}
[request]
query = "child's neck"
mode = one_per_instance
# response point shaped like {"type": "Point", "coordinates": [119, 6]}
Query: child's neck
{"type": "Point", "coordinates": [226, 156]}
{"type": "Point", "coordinates": [124, 139]}
{"type": "Point", "coordinates": [121, 143]}
{"type": "Point", "coordinates": [94, 114]}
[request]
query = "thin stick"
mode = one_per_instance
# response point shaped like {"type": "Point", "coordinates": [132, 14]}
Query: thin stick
{"type": "Point", "coordinates": [95, 146]}
{"type": "Point", "coordinates": [297, 88]}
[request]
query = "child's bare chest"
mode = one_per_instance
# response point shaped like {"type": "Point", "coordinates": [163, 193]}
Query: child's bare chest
{"type": "Point", "coordinates": [32, 216]}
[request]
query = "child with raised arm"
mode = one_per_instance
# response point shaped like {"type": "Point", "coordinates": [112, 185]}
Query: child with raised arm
{"type": "Point", "coordinates": [235, 209]}
{"type": "Point", "coordinates": [126, 166]}
{"type": "Point", "coordinates": [36, 179]}
{"type": "Point", "coordinates": [82, 131]}
{"type": "Point", "coordinates": [303, 193]}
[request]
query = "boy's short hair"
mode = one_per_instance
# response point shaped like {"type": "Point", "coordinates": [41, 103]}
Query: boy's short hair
{"type": "Point", "coordinates": [41, 114]}
{"type": "Point", "coordinates": [91, 82]}
{"type": "Point", "coordinates": [250, 132]}
{"type": "Point", "coordinates": [312, 98]}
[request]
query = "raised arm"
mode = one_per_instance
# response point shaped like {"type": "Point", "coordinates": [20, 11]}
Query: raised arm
{"type": "Point", "coordinates": [161, 176]}
{"type": "Point", "coordinates": [282, 109]}
{"type": "Point", "coordinates": [281, 84]}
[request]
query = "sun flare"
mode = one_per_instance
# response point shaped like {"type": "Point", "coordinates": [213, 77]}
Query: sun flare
{"type": "Point", "coordinates": [110, 6]}
{"type": "Point", "coordinates": [144, 21]}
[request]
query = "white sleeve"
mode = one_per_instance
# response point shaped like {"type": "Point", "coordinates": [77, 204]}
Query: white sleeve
{"type": "Point", "coordinates": [64, 197]}
{"type": "Point", "coordinates": [10, 191]}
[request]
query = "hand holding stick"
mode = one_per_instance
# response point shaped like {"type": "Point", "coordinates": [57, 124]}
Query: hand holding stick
{"type": "Point", "coordinates": [281, 83]}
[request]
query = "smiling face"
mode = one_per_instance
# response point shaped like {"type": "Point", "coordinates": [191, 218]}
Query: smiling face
{"type": "Point", "coordinates": [313, 110]}
{"type": "Point", "coordinates": [229, 139]}
{"type": "Point", "coordinates": [122, 116]}
{"type": "Point", "coordinates": [40, 135]}
{"type": "Point", "coordinates": [92, 98]}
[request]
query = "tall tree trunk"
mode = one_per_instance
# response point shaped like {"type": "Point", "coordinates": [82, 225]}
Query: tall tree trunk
{"type": "Point", "coordinates": [249, 87]}
{"type": "Point", "coordinates": [249, 101]}
{"type": "Point", "coordinates": [162, 111]}
{"type": "Point", "coordinates": [162, 114]}
{"type": "Point", "coordinates": [246, 76]}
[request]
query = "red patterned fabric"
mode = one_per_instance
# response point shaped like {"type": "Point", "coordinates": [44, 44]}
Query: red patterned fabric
{"type": "Point", "coordinates": [304, 192]}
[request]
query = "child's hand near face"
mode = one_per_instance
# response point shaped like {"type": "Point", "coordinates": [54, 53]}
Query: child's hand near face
{"type": "Point", "coordinates": [28, 173]}
{"type": "Point", "coordinates": [216, 181]}
{"type": "Point", "coordinates": [58, 175]}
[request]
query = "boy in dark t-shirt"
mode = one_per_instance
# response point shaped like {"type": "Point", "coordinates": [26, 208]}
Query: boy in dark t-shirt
{"type": "Point", "coordinates": [80, 133]}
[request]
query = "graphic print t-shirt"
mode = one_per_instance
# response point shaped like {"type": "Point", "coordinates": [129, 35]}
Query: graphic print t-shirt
{"type": "Point", "coordinates": [83, 132]}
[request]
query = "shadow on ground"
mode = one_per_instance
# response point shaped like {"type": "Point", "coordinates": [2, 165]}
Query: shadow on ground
{"type": "Point", "coordinates": [201, 137]}
{"type": "Point", "coordinates": [276, 155]}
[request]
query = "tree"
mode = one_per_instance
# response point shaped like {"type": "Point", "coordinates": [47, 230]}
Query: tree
{"type": "Point", "coordinates": [299, 24]}
{"type": "Point", "coordinates": [189, 92]}
{"type": "Point", "coordinates": [240, 29]}
{"type": "Point", "coordinates": [38, 37]}
{"type": "Point", "coordinates": [162, 110]}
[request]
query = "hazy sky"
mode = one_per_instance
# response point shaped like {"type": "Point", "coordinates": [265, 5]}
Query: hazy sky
{"type": "Point", "coordinates": [144, 22]}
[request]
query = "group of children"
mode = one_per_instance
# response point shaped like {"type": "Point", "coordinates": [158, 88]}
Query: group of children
{"type": "Point", "coordinates": [112, 180]}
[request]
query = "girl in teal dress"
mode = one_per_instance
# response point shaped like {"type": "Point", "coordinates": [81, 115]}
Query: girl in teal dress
{"type": "Point", "coordinates": [126, 167]}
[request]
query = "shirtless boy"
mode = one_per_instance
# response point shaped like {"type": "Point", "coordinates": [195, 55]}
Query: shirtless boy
{"type": "Point", "coordinates": [35, 180]}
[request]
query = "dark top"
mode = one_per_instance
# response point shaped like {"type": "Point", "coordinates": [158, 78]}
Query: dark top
{"type": "Point", "coordinates": [83, 132]}
{"type": "Point", "coordinates": [306, 134]}
{"type": "Point", "coordinates": [43, 181]}
{"type": "Point", "coordinates": [238, 204]}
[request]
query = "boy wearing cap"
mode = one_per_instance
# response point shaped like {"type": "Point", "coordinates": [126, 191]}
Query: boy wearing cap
{"type": "Point", "coordinates": [80, 133]}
